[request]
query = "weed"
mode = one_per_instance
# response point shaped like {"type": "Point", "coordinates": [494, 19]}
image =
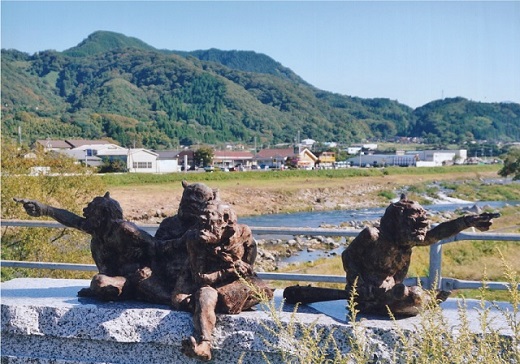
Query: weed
{"type": "Point", "coordinates": [389, 195]}
{"type": "Point", "coordinates": [432, 339]}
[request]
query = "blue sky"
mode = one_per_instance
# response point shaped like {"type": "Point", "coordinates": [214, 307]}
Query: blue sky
{"type": "Point", "coordinates": [413, 52]}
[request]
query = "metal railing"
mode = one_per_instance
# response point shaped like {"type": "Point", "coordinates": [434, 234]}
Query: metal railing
{"type": "Point", "coordinates": [434, 279]}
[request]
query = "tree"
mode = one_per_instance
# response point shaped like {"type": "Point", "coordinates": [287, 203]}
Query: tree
{"type": "Point", "coordinates": [113, 166]}
{"type": "Point", "coordinates": [70, 186]}
{"type": "Point", "coordinates": [204, 156]}
{"type": "Point", "coordinates": [511, 164]}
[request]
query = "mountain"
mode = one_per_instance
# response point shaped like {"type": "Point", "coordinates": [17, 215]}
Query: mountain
{"type": "Point", "coordinates": [247, 61]}
{"type": "Point", "coordinates": [457, 120]}
{"type": "Point", "coordinates": [104, 41]}
{"type": "Point", "coordinates": [114, 86]}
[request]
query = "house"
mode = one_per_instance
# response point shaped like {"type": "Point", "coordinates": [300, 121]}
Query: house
{"type": "Point", "coordinates": [85, 151]}
{"type": "Point", "coordinates": [141, 160]}
{"type": "Point", "coordinates": [273, 158]}
{"type": "Point", "coordinates": [81, 156]}
{"type": "Point", "coordinates": [326, 159]}
{"type": "Point", "coordinates": [96, 147]}
{"type": "Point", "coordinates": [226, 158]}
{"type": "Point", "coordinates": [353, 150]}
{"type": "Point", "coordinates": [137, 160]}
{"type": "Point", "coordinates": [49, 145]}
{"type": "Point", "coordinates": [167, 161]}
{"type": "Point", "coordinates": [305, 159]}
{"type": "Point", "coordinates": [112, 154]}
{"type": "Point", "coordinates": [278, 158]}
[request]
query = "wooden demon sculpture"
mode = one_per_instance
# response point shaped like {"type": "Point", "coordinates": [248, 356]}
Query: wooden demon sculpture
{"type": "Point", "coordinates": [200, 260]}
{"type": "Point", "coordinates": [377, 261]}
{"type": "Point", "coordinates": [218, 276]}
{"type": "Point", "coordinates": [123, 253]}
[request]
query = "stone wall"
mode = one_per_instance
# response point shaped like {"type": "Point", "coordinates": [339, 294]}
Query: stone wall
{"type": "Point", "coordinates": [43, 321]}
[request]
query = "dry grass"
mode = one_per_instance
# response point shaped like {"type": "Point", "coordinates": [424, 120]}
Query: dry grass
{"type": "Point", "coordinates": [432, 340]}
{"type": "Point", "coordinates": [259, 196]}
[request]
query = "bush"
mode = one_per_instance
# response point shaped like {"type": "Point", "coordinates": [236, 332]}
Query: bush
{"type": "Point", "coordinates": [68, 186]}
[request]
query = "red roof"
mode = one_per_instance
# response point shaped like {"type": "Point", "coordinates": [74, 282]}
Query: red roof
{"type": "Point", "coordinates": [232, 154]}
{"type": "Point", "coordinates": [271, 153]}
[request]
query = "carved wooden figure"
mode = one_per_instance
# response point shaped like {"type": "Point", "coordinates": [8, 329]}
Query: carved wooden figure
{"type": "Point", "coordinates": [123, 253]}
{"type": "Point", "coordinates": [378, 259]}
{"type": "Point", "coordinates": [218, 277]}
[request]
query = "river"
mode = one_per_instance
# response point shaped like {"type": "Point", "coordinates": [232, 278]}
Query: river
{"type": "Point", "coordinates": [315, 219]}
{"type": "Point", "coordinates": [337, 217]}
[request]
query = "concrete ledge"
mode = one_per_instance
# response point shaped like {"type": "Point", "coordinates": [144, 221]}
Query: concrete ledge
{"type": "Point", "coordinates": [43, 321]}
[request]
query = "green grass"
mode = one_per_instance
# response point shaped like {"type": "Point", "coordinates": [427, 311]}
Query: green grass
{"type": "Point", "coordinates": [114, 180]}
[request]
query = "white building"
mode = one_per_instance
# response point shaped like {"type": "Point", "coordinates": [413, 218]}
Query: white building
{"type": "Point", "coordinates": [142, 161]}
{"type": "Point", "coordinates": [353, 150]}
{"type": "Point", "coordinates": [424, 158]}
{"type": "Point", "coordinates": [435, 158]}
{"type": "Point", "coordinates": [382, 160]}
{"type": "Point", "coordinates": [167, 161]}
{"type": "Point", "coordinates": [137, 160]}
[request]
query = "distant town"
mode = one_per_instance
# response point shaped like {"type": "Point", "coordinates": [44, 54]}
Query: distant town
{"type": "Point", "coordinates": [99, 153]}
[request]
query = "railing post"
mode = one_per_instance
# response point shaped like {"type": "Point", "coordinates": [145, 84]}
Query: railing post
{"type": "Point", "coordinates": [434, 273]}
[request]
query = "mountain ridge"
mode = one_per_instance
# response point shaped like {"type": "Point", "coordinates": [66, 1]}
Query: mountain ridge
{"type": "Point", "coordinates": [115, 86]}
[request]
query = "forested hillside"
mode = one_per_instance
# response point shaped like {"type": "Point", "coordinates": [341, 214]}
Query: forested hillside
{"type": "Point", "coordinates": [114, 86]}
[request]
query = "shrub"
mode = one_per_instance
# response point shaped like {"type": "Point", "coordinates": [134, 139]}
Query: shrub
{"type": "Point", "coordinates": [69, 186]}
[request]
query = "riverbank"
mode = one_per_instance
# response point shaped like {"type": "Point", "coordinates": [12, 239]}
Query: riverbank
{"type": "Point", "coordinates": [151, 203]}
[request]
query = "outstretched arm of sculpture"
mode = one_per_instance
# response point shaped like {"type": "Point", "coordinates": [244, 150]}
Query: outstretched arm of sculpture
{"type": "Point", "coordinates": [448, 229]}
{"type": "Point", "coordinates": [37, 209]}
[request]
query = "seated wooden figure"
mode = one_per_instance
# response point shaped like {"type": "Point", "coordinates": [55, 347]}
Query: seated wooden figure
{"type": "Point", "coordinates": [219, 276]}
{"type": "Point", "coordinates": [171, 252]}
{"type": "Point", "coordinates": [378, 259]}
{"type": "Point", "coordinates": [123, 253]}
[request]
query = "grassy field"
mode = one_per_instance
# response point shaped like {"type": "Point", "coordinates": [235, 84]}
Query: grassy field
{"type": "Point", "coordinates": [275, 176]}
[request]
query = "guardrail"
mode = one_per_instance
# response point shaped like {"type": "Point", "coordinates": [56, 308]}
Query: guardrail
{"type": "Point", "coordinates": [434, 279]}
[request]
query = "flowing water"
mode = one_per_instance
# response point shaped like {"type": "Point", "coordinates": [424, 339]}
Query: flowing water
{"type": "Point", "coordinates": [337, 217]}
